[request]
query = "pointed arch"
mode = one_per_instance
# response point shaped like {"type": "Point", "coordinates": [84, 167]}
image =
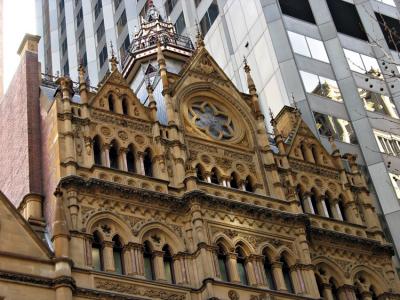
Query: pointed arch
{"type": "Point", "coordinates": [113, 154]}
{"type": "Point", "coordinates": [200, 172]}
{"type": "Point", "coordinates": [222, 259]}
{"type": "Point", "coordinates": [234, 180]}
{"type": "Point", "coordinates": [130, 159]}
{"type": "Point", "coordinates": [148, 162]}
{"type": "Point", "coordinates": [111, 102]}
{"type": "Point", "coordinates": [118, 254]}
{"type": "Point", "coordinates": [215, 176]}
{"type": "Point", "coordinates": [287, 276]}
{"type": "Point", "coordinates": [168, 264]}
{"type": "Point", "coordinates": [314, 195]}
{"type": "Point", "coordinates": [97, 252]}
{"type": "Point", "coordinates": [97, 151]}
{"type": "Point", "coordinates": [249, 184]}
{"type": "Point", "coordinates": [327, 267]}
{"type": "Point", "coordinates": [125, 105]}
{"type": "Point", "coordinates": [268, 252]}
{"type": "Point", "coordinates": [148, 260]}
{"type": "Point", "coordinates": [372, 276]}
{"type": "Point", "coordinates": [241, 263]}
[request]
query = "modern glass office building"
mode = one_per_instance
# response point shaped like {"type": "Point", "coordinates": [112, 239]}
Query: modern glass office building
{"type": "Point", "coordinates": [336, 60]}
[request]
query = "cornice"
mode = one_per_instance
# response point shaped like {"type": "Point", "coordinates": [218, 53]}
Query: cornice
{"type": "Point", "coordinates": [374, 246]}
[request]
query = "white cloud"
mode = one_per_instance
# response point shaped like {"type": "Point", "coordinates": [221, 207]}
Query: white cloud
{"type": "Point", "coordinates": [19, 18]}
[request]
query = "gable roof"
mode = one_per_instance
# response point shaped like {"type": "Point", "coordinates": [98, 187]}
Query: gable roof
{"type": "Point", "coordinates": [16, 231]}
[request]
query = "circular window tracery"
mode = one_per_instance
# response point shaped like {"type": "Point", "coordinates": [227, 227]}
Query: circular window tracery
{"type": "Point", "coordinates": [212, 120]}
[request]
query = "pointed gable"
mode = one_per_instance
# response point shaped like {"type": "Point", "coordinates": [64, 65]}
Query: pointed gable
{"type": "Point", "coordinates": [16, 234]}
{"type": "Point", "coordinates": [115, 88]}
{"type": "Point", "coordinates": [298, 136]}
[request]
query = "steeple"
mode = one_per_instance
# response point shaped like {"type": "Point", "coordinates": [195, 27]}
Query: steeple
{"type": "Point", "coordinates": [113, 59]}
{"type": "Point", "coordinates": [252, 90]}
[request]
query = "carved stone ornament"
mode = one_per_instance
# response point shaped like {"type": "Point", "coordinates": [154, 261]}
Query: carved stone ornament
{"type": "Point", "coordinates": [233, 295]}
{"type": "Point", "coordinates": [139, 139]}
{"type": "Point", "coordinates": [127, 288]}
{"type": "Point", "coordinates": [240, 168]}
{"type": "Point", "coordinates": [105, 130]}
{"type": "Point", "coordinates": [205, 159]}
{"type": "Point", "coordinates": [123, 135]}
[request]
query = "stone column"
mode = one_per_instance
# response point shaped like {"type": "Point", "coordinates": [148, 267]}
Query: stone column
{"type": "Point", "coordinates": [324, 206]}
{"type": "Point", "coordinates": [73, 208]}
{"type": "Point", "coordinates": [336, 210]}
{"type": "Point", "coordinates": [327, 292]}
{"type": "Point", "coordinates": [207, 176]}
{"type": "Point", "coordinates": [308, 204]}
{"type": "Point", "coordinates": [127, 259]}
{"type": "Point", "coordinates": [136, 252]}
{"type": "Point", "coordinates": [321, 206]}
{"type": "Point", "coordinates": [106, 155]}
{"type": "Point", "coordinates": [250, 271]}
{"type": "Point", "coordinates": [158, 263]}
{"type": "Point", "coordinates": [259, 272]}
{"type": "Point", "coordinates": [366, 295]}
{"type": "Point", "coordinates": [278, 276]}
{"type": "Point", "coordinates": [123, 164]}
{"type": "Point", "coordinates": [346, 292]}
{"type": "Point", "coordinates": [140, 163]}
{"type": "Point", "coordinates": [108, 256]}
{"type": "Point", "coordinates": [232, 268]}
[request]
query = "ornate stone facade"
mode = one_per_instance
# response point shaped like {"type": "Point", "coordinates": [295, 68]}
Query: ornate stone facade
{"type": "Point", "coordinates": [203, 207]}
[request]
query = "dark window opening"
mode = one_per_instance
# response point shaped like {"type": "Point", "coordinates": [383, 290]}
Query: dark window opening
{"type": "Point", "coordinates": [214, 176]}
{"type": "Point", "coordinates": [148, 164]}
{"type": "Point", "coordinates": [248, 185]}
{"type": "Point", "coordinates": [241, 265]}
{"type": "Point", "coordinates": [97, 151]}
{"type": "Point", "coordinates": [268, 273]}
{"type": "Point", "coordinates": [130, 159]}
{"type": "Point", "coordinates": [287, 276]}
{"type": "Point", "coordinates": [148, 261]}
{"type": "Point", "coordinates": [346, 19]}
{"type": "Point", "coordinates": [299, 9]}
{"type": "Point", "coordinates": [168, 265]}
{"type": "Point", "coordinates": [111, 103]}
{"type": "Point", "coordinates": [391, 30]}
{"type": "Point", "coordinates": [200, 173]}
{"type": "Point", "coordinates": [124, 106]}
{"type": "Point", "coordinates": [113, 154]}
{"type": "Point", "coordinates": [223, 270]}
{"type": "Point", "coordinates": [97, 255]}
{"type": "Point", "coordinates": [117, 254]}
{"type": "Point", "coordinates": [234, 181]}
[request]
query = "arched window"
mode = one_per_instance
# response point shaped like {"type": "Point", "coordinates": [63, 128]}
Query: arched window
{"type": "Point", "coordinates": [320, 285]}
{"type": "Point", "coordinates": [97, 151]}
{"type": "Point", "coordinates": [148, 261]}
{"type": "Point", "coordinates": [222, 263]}
{"type": "Point", "coordinates": [113, 154]}
{"type": "Point", "coordinates": [168, 265]}
{"type": "Point", "coordinates": [97, 252]}
{"type": "Point", "coordinates": [342, 208]}
{"type": "Point", "coordinates": [111, 103]}
{"type": "Point", "coordinates": [334, 289]}
{"type": "Point", "coordinates": [248, 184]}
{"type": "Point", "coordinates": [214, 176]}
{"type": "Point", "coordinates": [299, 193]}
{"type": "Point", "coordinates": [286, 275]}
{"type": "Point", "coordinates": [241, 265]}
{"type": "Point", "coordinates": [117, 254]}
{"type": "Point", "coordinates": [130, 159]}
{"type": "Point", "coordinates": [234, 181]}
{"type": "Point", "coordinates": [268, 273]}
{"type": "Point", "coordinates": [148, 163]}
{"type": "Point", "coordinates": [314, 201]}
{"type": "Point", "coordinates": [125, 106]}
{"type": "Point", "coordinates": [200, 172]}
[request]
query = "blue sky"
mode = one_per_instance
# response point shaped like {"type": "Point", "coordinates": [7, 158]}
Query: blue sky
{"type": "Point", "coordinates": [19, 18]}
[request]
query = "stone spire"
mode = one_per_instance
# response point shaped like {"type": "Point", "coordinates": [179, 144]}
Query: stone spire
{"type": "Point", "coordinates": [82, 84]}
{"type": "Point", "coordinates": [113, 59]}
{"type": "Point", "coordinates": [199, 37]}
{"type": "Point", "coordinates": [252, 89]}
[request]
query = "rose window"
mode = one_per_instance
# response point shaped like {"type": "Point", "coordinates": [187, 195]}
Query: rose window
{"type": "Point", "coordinates": [210, 119]}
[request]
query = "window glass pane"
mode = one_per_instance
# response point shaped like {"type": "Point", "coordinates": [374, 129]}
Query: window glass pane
{"type": "Point", "coordinates": [299, 44]}
{"type": "Point", "coordinates": [148, 272]}
{"type": "Point", "coordinates": [354, 61]}
{"type": "Point", "coordinates": [168, 271]}
{"type": "Point", "coordinates": [317, 49]}
{"type": "Point", "coordinates": [118, 261]}
{"type": "Point", "coordinates": [242, 272]}
{"type": "Point", "coordinates": [337, 128]}
{"type": "Point", "coordinates": [222, 269]}
{"type": "Point", "coordinates": [321, 86]}
{"type": "Point", "coordinates": [96, 259]}
{"type": "Point", "coordinates": [378, 103]}
{"type": "Point", "coordinates": [371, 64]}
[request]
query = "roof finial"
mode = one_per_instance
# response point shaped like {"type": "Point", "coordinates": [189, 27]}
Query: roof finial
{"type": "Point", "coordinates": [113, 59]}
{"type": "Point", "coordinates": [199, 36]}
{"type": "Point", "coordinates": [271, 114]}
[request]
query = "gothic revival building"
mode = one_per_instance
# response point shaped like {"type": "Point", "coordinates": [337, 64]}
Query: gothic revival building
{"type": "Point", "coordinates": [162, 183]}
